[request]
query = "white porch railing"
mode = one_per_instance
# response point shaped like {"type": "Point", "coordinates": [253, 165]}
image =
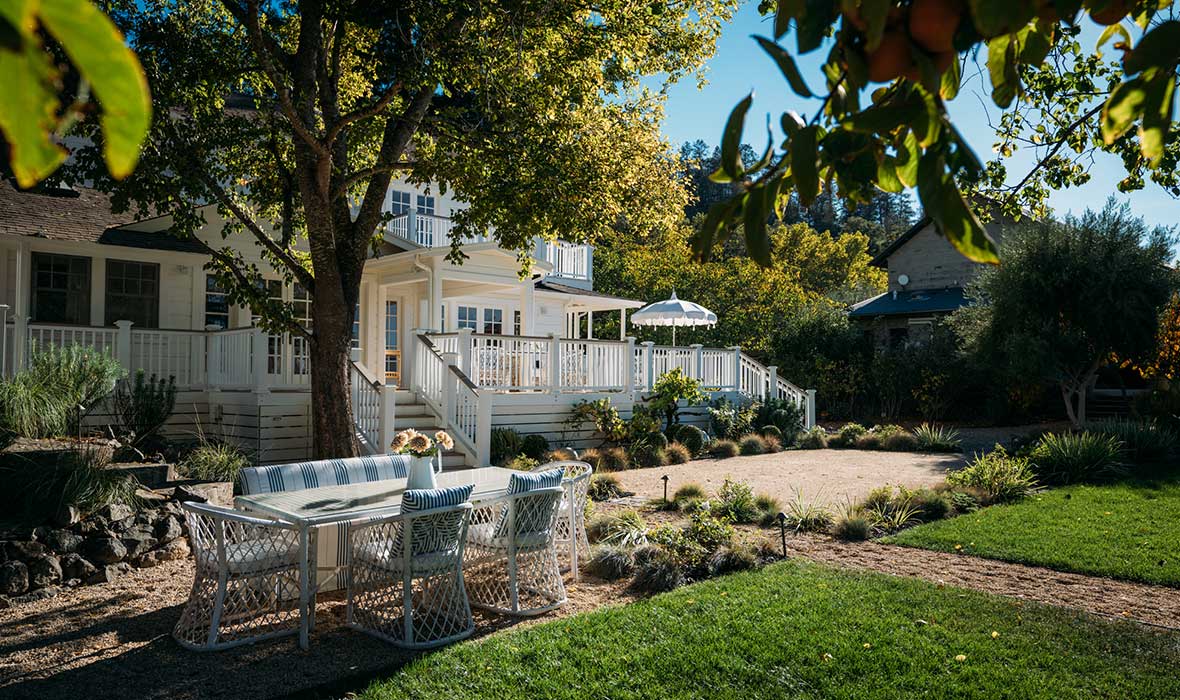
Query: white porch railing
{"type": "Point", "coordinates": [570, 260]}
{"type": "Point", "coordinates": [459, 403]}
{"type": "Point", "coordinates": [372, 409]}
{"type": "Point", "coordinates": [426, 230]}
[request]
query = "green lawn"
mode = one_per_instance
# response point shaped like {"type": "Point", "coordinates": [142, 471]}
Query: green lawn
{"type": "Point", "coordinates": [1126, 531]}
{"type": "Point", "coordinates": [801, 630]}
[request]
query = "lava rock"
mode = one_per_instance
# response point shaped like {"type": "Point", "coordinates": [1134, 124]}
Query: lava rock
{"type": "Point", "coordinates": [39, 594]}
{"type": "Point", "coordinates": [75, 566]}
{"type": "Point", "coordinates": [104, 550]}
{"type": "Point", "coordinates": [24, 550]}
{"type": "Point", "coordinates": [44, 571]}
{"type": "Point", "coordinates": [63, 541]}
{"type": "Point", "coordinates": [67, 516]}
{"type": "Point", "coordinates": [123, 525]}
{"type": "Point", "coordinates": [168, 528]}
{"type": "Point", "coordinates": [184, 494]}
{"type": "Point", "coordinates": [14, 578]}
{"type": "Point", "coordinates": [109, 573]}
{"type": "Point", "coordinates": [92, 526]}
{"type": "Point", "coordinates": [138, 546]}
{"type": "Point", "coordinates": [115, 511]}
{"type": "Point", "coordinates": [176, 549]}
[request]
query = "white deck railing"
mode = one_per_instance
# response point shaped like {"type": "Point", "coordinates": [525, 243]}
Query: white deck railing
{"type": "Point", "coordinates": [365, 393]}
{"type": "Point", "coordinates": [570, 260]}
{"type": "Point", "coordinates": [426, 230]}
{"type": "Point", "coordinates": [464, 409]}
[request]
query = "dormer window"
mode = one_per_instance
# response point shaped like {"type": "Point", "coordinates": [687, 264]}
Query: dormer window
{"type": "Point", "coordinates": [425, 204]}
{"type": "Point", "coordinates": [399, 202]}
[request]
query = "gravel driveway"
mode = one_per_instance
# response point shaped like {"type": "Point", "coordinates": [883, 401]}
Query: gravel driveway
{"type": "Point", "coordinates": [827, 476]}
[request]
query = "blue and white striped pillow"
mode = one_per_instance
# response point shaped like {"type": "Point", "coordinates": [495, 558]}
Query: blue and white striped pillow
{"type": "Point", "coordinates": [428, 535]}
{"type": "Point", "coordinates": [531, 520]}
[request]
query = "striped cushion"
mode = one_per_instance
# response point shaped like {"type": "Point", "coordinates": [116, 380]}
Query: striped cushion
{"type": "Point", "coordinates": [435, 534]}
{"type": "Point", "coordinates": [298, 476]}
{"type": "Point", "coordinates": [528, 516]}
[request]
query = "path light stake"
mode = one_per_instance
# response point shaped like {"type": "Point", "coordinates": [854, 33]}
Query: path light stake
{"type": "Point", "coordinates": [782, 527]}
{"type": "Point", "coordinates": [665, 480]}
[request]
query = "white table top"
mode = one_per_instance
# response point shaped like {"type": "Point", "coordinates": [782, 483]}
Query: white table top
{"type": "Point", "coordinates": [331, 504]}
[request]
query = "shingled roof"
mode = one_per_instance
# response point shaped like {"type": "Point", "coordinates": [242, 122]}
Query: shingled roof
{"type": "Point", "coordinates": [77, 214]}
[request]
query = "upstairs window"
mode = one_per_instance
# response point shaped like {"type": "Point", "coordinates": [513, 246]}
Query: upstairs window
{"type": "Point", "coordinates": [61, 289]}
{"type": "Point", "coordinates": [133, 293]}
{"type": "Point", "coordinates": [425, 204]}
{"type": "Point", "coordinates": [216, 304]}
{"type": "Point", "coordinates": [399, 202]}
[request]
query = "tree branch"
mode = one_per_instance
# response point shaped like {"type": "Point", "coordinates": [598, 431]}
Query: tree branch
{"type": "Point", "coordinates": [1053, 151]}
{"type": "Point", "coordinates": [359, 175]}
{"type": "Point", "coordinates": [363, 113]}
{"type": "Point", "coordinates": [398, 133]}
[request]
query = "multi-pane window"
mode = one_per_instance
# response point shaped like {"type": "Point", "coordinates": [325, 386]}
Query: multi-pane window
{"type": "Point", "coordinates": [133, 293]}
{"type": "Point", "coordinates": [516, 322]}
{"type": "Point", "coordinates": [61, 289]}
{"type": "Point", "coordinates": [301, 303]}
{"type": "Point", "coordinates": [399, 202]}
{"type": "Point", "coordinates": [425, 204]}
{"type": "Point", "coordinates": [467, 317]}
{"type": "Point", "coordinates": [392, 355]}
{"type": "Point", "coordinates": [216, 304]}
{"type": "Point", "coordinates": [493, 321]}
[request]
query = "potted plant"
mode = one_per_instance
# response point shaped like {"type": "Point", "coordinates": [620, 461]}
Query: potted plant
{"type": "Point", "coordinates": [423, 450]}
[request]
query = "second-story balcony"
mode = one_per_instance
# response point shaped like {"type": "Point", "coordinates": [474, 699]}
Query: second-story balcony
{"type": "Point", "coordinates": [571, 261]}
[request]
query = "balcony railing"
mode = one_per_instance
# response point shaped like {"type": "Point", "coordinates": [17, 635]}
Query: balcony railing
{"type": "Point", "coordinates": [426, 230]}
{"type": "Point", "coordinates": [570, 260]}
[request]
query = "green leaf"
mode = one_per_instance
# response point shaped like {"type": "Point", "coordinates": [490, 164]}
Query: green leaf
{"type": "Point", "coordinates": [731, 168]}
{"type": "Point", "coordinates": [883, 118]}
{"type": "Point", "coordinates": [1108, 34]}
{"type": "Point", "coordinates": [704, 239]}
{"type": "Point", "coordinates": [875, 14]}
{"type": "Point", "coordinates": [1001, 69]}
{"type": "Point", "coordinates": [786, 64]}
{"type": "Point", "coordinates": [995, 17]}
{"type": "Point", "coordinates": [803, 169]}
{"type": "Point", "coordinates": [786, 11]}
{"type": "Point", "coordinates": [952, 79]}
{"type": "Point", "coordinates": [28, 102]}
{"type": "Point", "coordinates": [791, 122]}
{"type": "Point", "coordinates": [1159, 48]}
{"type": "Point", "coordinates": [768, 154]}
{"type": "Point", "coordinates": [943, 203]}
{"type": "Point", "coordinates": [907, 160]}
{"type": "Point", "coordinates": [1122, 108]}
{"type": "Point", "coordinates": [812, 26]}
{"type": "Point", "coordinates": [887, 178]}
{"type": "Point", "coordinates": [754, 221]}
{"type": "Point", "coordinates": [97, 50]}
{"type": "Point", "coordinates": [927, 122]}
{"type": "Point", "coordinates": [1157, 116]}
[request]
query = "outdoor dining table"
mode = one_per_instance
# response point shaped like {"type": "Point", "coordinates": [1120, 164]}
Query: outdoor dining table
{"type": "Point", "coordinates": [329, 505]}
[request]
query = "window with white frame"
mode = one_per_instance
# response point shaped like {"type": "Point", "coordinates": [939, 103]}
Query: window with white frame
{"type": "Point", "coordinates": [399, 202]}
{"type": "Point", "coordinates": [493, 321]}
{"type": "Point", "coordinates": [133, 293]}
{"type": "Point", "coordinates": [425, 204]}
{"type": "Point", "coordinates": [61, 289]}
{"type": "Point", "coordinates": [300, 355]}
{"type": "Point", "coordinates": [216, 304]}
{"type": "Point", "coordinates": [516, 322]}
{"type": "Point", "coordinates": [467, 317]}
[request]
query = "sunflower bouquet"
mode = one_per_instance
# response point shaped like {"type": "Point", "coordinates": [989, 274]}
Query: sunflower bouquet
{"type": "Point", "coordinates": [412, 442]}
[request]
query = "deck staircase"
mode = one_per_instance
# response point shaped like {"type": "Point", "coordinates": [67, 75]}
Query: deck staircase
{"type": "Point", "coordinates": [411, 412]}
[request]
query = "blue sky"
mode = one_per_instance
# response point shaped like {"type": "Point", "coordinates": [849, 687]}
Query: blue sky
{"type": "Point", "coordinates": [740, 66]}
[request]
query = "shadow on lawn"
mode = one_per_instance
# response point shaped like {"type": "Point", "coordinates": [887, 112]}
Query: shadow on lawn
{"type": "Point", "coordinates": [153, 665]}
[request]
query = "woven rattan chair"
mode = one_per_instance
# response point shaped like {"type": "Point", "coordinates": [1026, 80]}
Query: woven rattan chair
{"type": "Point", "coordinates": [407, 577]}
{"type": "Point", "coordinates": [510, 563]}
{"type": "Point", "coordinates": [570, 539]}
{"type": "Point", "coordinates": [246, 586]}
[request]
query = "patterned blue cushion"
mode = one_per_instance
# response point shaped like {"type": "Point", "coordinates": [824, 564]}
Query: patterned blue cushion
{"type": "Point", "coordinates": [529, 517]}
{"type": "Point", "coordinates": [434, 534]}
{"type": "Point", "coordinates": [523, 482]}
{"type": "Point", "coordinates": [298, 476]}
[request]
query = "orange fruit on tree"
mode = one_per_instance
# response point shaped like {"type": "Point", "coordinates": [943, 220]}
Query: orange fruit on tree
{"type": "Point", "coordinates": [1114, 12]}
{"type": "Point", "coordinates": [933, 23]}
{"type": "Point", "coordinates": [891, 58]}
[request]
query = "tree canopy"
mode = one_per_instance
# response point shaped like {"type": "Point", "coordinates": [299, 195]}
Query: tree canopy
{"type": "Point", "coordinates": [1071, 296]}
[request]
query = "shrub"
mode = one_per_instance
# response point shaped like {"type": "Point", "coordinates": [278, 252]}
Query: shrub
{"type": "Point", "coordinates": [675, 540]}
{"type": "Point", "coordinates": [693, 438]}
{"type": "Point", "coordinates": [880, 496]}
{"type": "Point", "coordinates": [933, 438]}
{"type": "Point", "coordinates": [814, 439]}
{"type": "Point", "coordinates": [852, 528]}
{"type": "Point", "coordinates": [900, 442]}
{"type": "Point", "coordinates": [625, 529]}
{"type": "Point", "coordinates": [781, 413]}
{"type": "Point", "coordinates": [534, 446]}
{"type": "Point", "coordinates": [602, 415]}
{"type": "Point", "coordinates": [604, 487]}
{"type": "Point", "coordinates": [1144, 442]}
{"type": "Point", "coordinates": [561, 454]}
{"type": "Point", "coordinates": [709, 532]}
{"type": "Point", "coordinates": [868, 441]}
{"type": "Point", "coordinates": [611, 459]}
{"type": "Point", "coordinates": [610, 563]}
{"type": "Point", "coordinates": [772, 431]}
{"type": "Point", "coordinates": [848, 434]}
{"type": "Point", "coordinates": [769, 507]}
{"type": "Point", "coordinates": [669, 390]}
{"type": "Point", "coordinates": [804, 516]}
{"type": "Point", "coordinates": [735, 502]}
{"type": "Point", "coordinates": [965, 501]}
{"type": "Point", "coordinates": [773, 445]}
{"type": "Point", "coordinates": [728, 560]}
{"type": "Point", "coordinates": [752, 444]}
{"type": "Point", "coordinates": [1000, 477]}
{"type": "Point", "coordinates": [723, 449]}
{"type": "Point", "coordinates": [729, 420]}
{"type": "Point", "coordinates": [505, 444]}
{"type": "Point", "coordinates": [143, 405]}
{"type": "Point", "coordinates": [930, 504]}
{"type": "Point", "coordinates": [1066, 458]}
{"type": "Point", "coordinates": [644, 455]}
{"type": "Point", "coordinates": [522, 463]}
{"type": "Point", "coordinates": [677, 454]}
{"type": "Point", "coordinates": [884, 431]}
{"type": "Point", "coordinates": [889, 517]}
{"type": "Point", "coordinates": [214, 461]}
{"type": "Point", "coordinates": [656, 570]}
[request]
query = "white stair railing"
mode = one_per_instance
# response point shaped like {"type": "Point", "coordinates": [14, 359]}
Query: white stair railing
{"type": "Point", "coordinates": [365, 394]}
{"type": "Point", "coordinates": [449, 393]}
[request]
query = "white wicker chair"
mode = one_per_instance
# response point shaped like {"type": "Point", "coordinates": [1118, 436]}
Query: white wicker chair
{"type": "Point", "coordinates": [246, 586]}
{"type": "Point", "coordinates": [570, 539]}
{"type": "Point", "coordinates": [510, 563]}
{"type": "Point", "coordinates": [408, 590]}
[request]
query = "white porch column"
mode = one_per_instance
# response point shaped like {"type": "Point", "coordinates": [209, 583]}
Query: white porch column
{"type": "Point", "coordinates": [123, 345]}
{"type": "Point", "coordinates": [463, 360]}
{"type": "Point", "coordinates": [698, 362]}
{"type": "Point", "coordinates": [590, 325]}
{"type": "Point", "coordinates": [737, 367]}
{"type": "Point", "coordinates": [772, 383]}
{"type": "Point", "coordinates": [385, 427]}
{"type": "Point", "coordinates": [373, 328]}
{"type": "Point", "coordinates": [259, 351]}
{"type": "Point", "coordinates": [435, 297]}
{"type": "Point", "coordinates": [649, 358]}
{"type": "Point", "coordinates": [483, 430]}
{"type": "Point", "coordinates": [554, 363]}
{"type": "Point", "coordinates": [623, 324]}
{"type": "Point", "coordinates": [810, 415]}
{"type": "Point", "coordinates": [629, 377]}
{"type": "Point", "coordinates": [527, 307]}
{"type": "Point", "coordinates": [449, 387]}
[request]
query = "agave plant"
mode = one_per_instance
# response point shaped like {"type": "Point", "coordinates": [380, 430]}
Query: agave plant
{"type": "Point", "coordinates": [936, 438]}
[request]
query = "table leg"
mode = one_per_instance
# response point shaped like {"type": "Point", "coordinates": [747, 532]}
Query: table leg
{"type": "Point", "coordinates": [313, 547]}
{"type": "Point", "coordinates": [304, 589]}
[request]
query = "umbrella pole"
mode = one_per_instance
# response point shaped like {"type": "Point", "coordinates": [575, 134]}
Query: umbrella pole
{"type": "Point", "coordinates": [673, 334]}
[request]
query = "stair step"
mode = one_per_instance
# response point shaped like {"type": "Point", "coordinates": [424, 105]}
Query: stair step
{"type": "Point", "coordinates": [419, 423]}
{"type": "Point", "coordinates": [410, 409]}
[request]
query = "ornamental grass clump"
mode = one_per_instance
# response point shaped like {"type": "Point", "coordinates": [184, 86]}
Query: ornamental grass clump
{"type": "Point", "coordinates": [686, 495]}
{"type": "Point", "coordinates": [852, 528]}
{"type": "Point", "coordinates": [1068, 458]}
{"type": "Point", "coordinates": [936, 438]}
{"type": "Point", "coordinates": [728, 560]}
{"type": "Point", "coordinates": [676, 453]}
{"type": "Point", "coordinates": [901, 441]}
{"type": "Point", "coordinates": [724, 449]}
{"type": "Point", "coordinates": [997, 476]}
{"type": "Point", "coordinates": [807, 516]}
{"type": "Point", "coordinates": [604, 487]}
{"type": "Point", "coordinates": [611, 563]}
{"type": "Point", "coordinates": [625, 529]}
{"type": "Point", "coordinates": [1143, 441]}
{"type": "Point", "coordinates": [657, 570]}
{"type": "Point", "coordinates": [214, 461]}
{"type": "Point", "coordinates": [752, 444]}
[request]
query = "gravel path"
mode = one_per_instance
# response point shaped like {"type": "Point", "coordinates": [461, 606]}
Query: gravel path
{"type": "Point", "coordinates": [823, 476]}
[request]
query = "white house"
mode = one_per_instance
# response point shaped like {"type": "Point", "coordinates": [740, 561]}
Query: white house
{"type": "Point", "coordinates": [466, 347]}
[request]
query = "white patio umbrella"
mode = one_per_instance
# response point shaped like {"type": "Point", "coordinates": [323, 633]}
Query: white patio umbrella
{"type": "Point", "coordinates": [674, 312]}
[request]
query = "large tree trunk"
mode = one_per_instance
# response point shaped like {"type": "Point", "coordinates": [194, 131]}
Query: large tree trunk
{"type": "Point", "coordinates": [334, 433]}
